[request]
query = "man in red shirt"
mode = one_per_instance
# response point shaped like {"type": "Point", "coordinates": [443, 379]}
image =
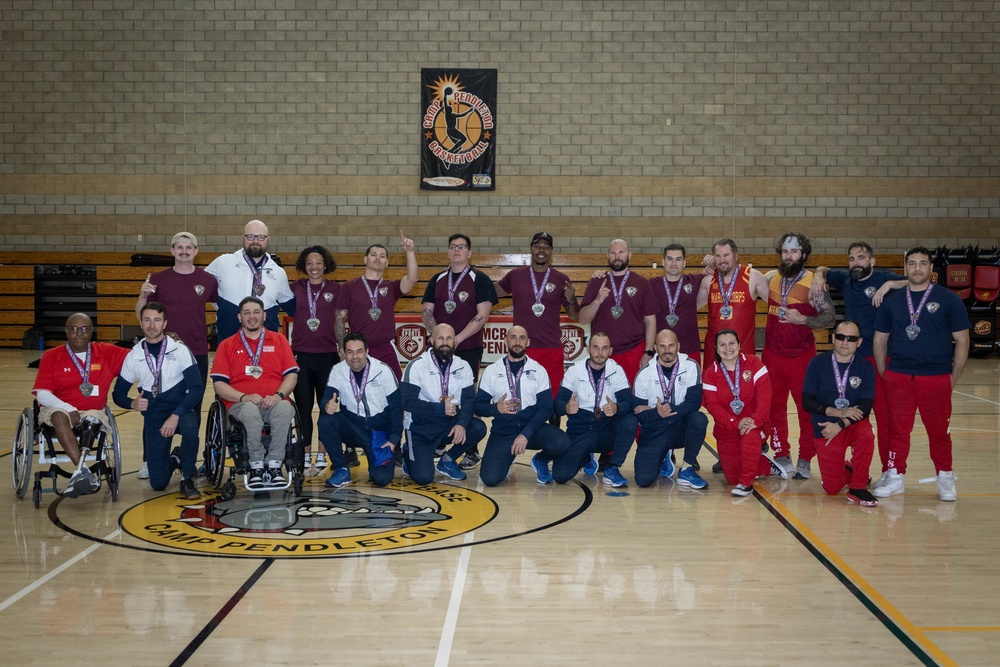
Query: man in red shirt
{"type": "Point", "coordinates": [253, 373]}
{"type": "Point", "coordinates": [72, 388]}
{"type": "Point", "coordinates": [732, 295]}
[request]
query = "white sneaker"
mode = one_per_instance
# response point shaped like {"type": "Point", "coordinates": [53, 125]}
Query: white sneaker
{"type": "Point", "coordinates": [893, 485]}
{"type": "Point", "coordinates": [320, 463]}
{"type": "Point", "coordinates": [881, 480]}
{"type": "Point", "coordinates": [143, 471]}
{"type": "Point", "coordinates": [946, 486]}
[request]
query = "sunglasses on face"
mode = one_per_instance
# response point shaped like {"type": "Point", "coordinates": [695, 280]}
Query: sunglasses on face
{"type": "Point", "coordinates": [849, 338]}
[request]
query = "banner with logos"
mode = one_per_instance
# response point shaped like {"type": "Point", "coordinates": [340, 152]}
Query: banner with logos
{"type": "Point", "coordinates": [458, 129]}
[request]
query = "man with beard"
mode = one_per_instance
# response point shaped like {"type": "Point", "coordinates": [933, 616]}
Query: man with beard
{"type": "Point", "coordinates": [789, 346]}
{"type": "Point", "coordinates": [622, 305]}
{"type": "Point", "coordinates": [596, 398]}
{"type": "Point", "coordinates": [170, 387]}
{"type": "Point", "coordinates": [731, 295]}
{"type": "Point", "coordinates": [921, 346]}
{"type": "Point", "coordinates": [864, 288]}
{"type": "Point", "coordinates": [667, 396]}
{"type": "Point", "coordinates": [361, 408]}
{"type": "Point", "coordinates": [250, 271]}
{"type": "Point", "coordinates": [368, 303]}
{"type": "Point", "coordinates": [515, 392]}
{"type": "Point", "coordinates": [539, 293]}
{"type": "Point", "coordinates": [253, 373]}
{"type": "Point", "coordinates": [72, 389]}
{"type": "Point", "coordinates": [438, 401]}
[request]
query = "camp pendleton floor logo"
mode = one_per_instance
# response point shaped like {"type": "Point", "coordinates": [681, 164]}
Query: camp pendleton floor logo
{"type": "Point", "coordinates": [458, 129]}
{"type": "Point", "coordinates": [350, 521]}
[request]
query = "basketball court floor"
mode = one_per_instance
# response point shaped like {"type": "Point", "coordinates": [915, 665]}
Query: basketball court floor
{"type": "Point", "coordinates": [459, 574]}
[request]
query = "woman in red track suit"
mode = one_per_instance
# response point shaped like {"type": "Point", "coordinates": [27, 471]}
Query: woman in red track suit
{"type": "Point", "coordinates": [737, 393]}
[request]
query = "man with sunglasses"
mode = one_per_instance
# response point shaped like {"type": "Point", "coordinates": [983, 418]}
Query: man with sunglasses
{"type": "Point", "coordinates": [72, 388]}
{"type": "Point", "coordinates": [839, 390]}
{"type": "Point", "coordinates": [250, 271]}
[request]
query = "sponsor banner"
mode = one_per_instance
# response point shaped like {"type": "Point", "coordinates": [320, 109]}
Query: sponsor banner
{"type": "Point", "coordinates": [458, 129]}
{"type": "Point", "coordinates": [412, 339]}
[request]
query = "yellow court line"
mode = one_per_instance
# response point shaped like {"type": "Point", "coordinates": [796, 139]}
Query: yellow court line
{"type": "Point", "coordinates": [964, 628]}
{"type": "Point", "coordinates": [914, 631]}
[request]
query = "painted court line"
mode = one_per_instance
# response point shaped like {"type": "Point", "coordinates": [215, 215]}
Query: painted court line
{"type": "Point", "coordinates": [962, 393]}
{"type": "Point", "coordinates": [45, 578]}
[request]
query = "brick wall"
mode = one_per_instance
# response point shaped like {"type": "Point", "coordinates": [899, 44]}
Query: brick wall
{"type": "Point", "coordinates": [653, 121]}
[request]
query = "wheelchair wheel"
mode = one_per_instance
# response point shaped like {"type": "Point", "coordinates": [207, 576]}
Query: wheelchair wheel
{"type": "Point", "coordinates": [228, 491]}
{"type": "Point", "coordinates": [215, 444]}
{"type": "Point", "coordinates": [36, 496]}
{"type": "Point", "coordinates": [22, 453]}
{"type": "Point", "coordinates": [113, 455]}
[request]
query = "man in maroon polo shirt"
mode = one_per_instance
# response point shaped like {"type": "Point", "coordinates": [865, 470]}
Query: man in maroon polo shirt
{"type": "Point", "coordinates": [679, 295]}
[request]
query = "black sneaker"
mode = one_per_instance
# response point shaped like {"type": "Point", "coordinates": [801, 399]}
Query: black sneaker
{"type": "Point", "coordinates": [277, 479]}
{"type": "Point", "coordinates": [470, 460]}
{"type": "Point", "coordinates": [351, 456]}
{"type": "Point", "coordinates": [255, 480]}
{"type": "Point", "coordinates": [175, 459]}
{"type": "Point", "coordinates": [189, 490]}
{"type": "Point", "coordinates": [717, 468]}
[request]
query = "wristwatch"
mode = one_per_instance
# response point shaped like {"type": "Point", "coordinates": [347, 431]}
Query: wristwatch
{"type": "Point", "coordinates": [651, 353]}
{"type": "Point", "coordinates": [283, 397]}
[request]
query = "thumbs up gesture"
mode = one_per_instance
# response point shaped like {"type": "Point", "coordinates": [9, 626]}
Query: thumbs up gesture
{"type": "Point", "coordinates": [140, 403]}
{"type": "Point", "coordinates": [450, 408]}
{"type": "Point", "coordinates": [503, 406]}
{"type": "Point", "coordinates": [610, 408]}
{"type": "Point", "coordinates": [573, 405]}
{"type": "Point", "coordinates": [333, 405]}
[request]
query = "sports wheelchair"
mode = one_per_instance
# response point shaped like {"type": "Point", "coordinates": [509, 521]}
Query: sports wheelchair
{"type": "Point", "coordinates": [103, 457]}
{"type": "Point", "coordinates": [225, 437]}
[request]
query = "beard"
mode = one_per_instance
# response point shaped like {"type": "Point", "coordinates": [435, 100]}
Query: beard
{"type": "Point", "coordinates": [517, 354]}
{"type": "Point", "coordinates": [791, 270]}
{"type": "Point", "coordinates": [860, 273]}
{"type": "Point", "coordinates": [618, 264]}
{"type": "Point", "coordinates": [254, 252]}
{"type": "Point", "coordinates": [444, 354]}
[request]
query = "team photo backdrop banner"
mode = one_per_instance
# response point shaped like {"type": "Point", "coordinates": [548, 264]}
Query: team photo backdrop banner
{"type": "Point", "coordinates": [458, 129]}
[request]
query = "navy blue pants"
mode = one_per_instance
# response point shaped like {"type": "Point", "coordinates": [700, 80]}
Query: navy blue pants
{"type": "Point", "coordinates": [615, 434]}
{"type": "Point", "coordinates": [158, 447]}
{"type": "Point", "coordinates": [497, 459]}
{"type": "Point", "coordinates": [337, 429]}
{"type": "Point", "coordinates": [656, 441]}
{"type": "Point", "coordinates": [420, 449]}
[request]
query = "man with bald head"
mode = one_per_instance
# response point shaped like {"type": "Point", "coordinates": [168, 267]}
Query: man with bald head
{"type": "Point", "coordinates": [72, 389]}
{"type": "Point", "coordinates": [438, 401]}
{"type": "Point", "coordinates": [667, 396]}
{"type": "Point", "coordinates": [250, 271]}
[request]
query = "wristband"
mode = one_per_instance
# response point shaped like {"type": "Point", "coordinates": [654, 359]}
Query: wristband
{"type": "Point", "coordinates": [241, 398]}
{"type": "Point", "coordinates": [651, 353]}
{"type": "Point", "coordinates": [280, 394]}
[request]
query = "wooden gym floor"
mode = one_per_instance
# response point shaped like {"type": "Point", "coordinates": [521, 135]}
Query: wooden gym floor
{"type": "Point", "coordinates": [456, 574]}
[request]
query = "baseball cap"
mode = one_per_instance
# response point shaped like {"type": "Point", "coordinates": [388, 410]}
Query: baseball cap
{"type": "Point", "coordinates": [185, 235]}
{"type": "Point", "coordinates": [541, 236]}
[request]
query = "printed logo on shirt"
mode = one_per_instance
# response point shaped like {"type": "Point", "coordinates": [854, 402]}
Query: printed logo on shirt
{"type": "Point", "coordinates": [631, 291]}
{"type": "Point", "coordinates": [328, 297]}
{"type": "Point", "coordinates": [932, 306]}
{"type": "Point", "coordinates": [199, 289]}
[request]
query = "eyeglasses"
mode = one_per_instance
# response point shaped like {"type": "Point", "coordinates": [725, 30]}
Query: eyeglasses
{"type": "Point", "coordinates": [255, 237]}
{"type": "Point", "coordinates": [849, 338]}
{"type": "Point", "coordinates": [76, 330]}
{"type": "Point", "coordinates": [458, 246]}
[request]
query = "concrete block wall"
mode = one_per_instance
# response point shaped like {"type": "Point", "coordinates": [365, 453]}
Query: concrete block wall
{"type": "Point", "coordinates": [122, 122]}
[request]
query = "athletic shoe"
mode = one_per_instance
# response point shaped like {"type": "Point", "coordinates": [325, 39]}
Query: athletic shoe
{"type": "Point", "coordinates": [612, 477]}
{"type": "Point", "coordinates": [351, 455]}
{"type": "Point", "coordinates": [82, 481]}
{"type": "Point", "coordinates": [802, 469]}
{"type": "Point", "coordinates": [277, 479]}
{"type": "Point", "coordinates": [775, 468]}
{"type": "Point", "coordinates": [785, 462]}
{"type": "Point", "coordinates": [667, 468]}
{"type": "Point", "coordinates": [883, 478]}
{"type": "Point", "coordinates": [893, 485]}
{"type": "Point", "coordinates": [255, 480]}
{"type": "Point", "coordinates": [449, 468]}
{"type": "Point", "coordinates": [339, 478]}
{"type": "Point", "coordinates": [541, 469]}
{"type": "Point", "coordinates": [175, 459]}
{"type": "Point", "coordinates": [188, 490]}
{"type": "Point", "coordinates": [143, 471]}
{"type": "Point", "coordinates": [741, 490]}
{"type": "Point", "coordinates": [689, 478]}
{"type": "Point", "coordinates": [862, 497]}
{"type": "Point", "coordinates": [470, 460]}
{"type": "Point", "coordinates": [320, 464]}
{"type": "Point", "coordinates": [590, 467]}
{"type": "Point", "coordinates": [717, 467]}
{"type": "Point", "coordinates": [946, 486]}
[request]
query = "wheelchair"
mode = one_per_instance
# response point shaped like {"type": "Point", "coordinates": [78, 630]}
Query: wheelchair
{"type": "Point", "coordinates": [31, 438]}
{"type": "Point", "coordinates": [225, 437]}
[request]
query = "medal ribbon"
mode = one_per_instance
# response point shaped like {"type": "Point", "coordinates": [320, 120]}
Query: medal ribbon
{"type": "Point", "coordinates": [445, 372]}
{"type": "Point", "coordinates": [513, 381]}
{"type": "Point", "coordinates": [313, 300]}
{"type": "Point", "coordinates": [841, 381]}
{"type": "Point", "coordinates": [598, 387]}
{"type": "Point", "coordinates": [155, 367]}
{"type": "Point", "coordinates": [725, 291]}
{"type": "Point", "coordinates": [534, 286]}
{"type": "Point", "coordinates": [257, 271]}
{"type": "Point", "coordinates": [672, 299]}
{"type": "Point", "coordinates": [359, 392]}
{"type": "Point", "coordinates": [453, 286]}
{"type": "Point", "coordinates": [787, 285]}
{"type": "Point", "coordinates": [915, 314]}
{"type": "Point", "coordinates": [373, 294]}
{"type": "Point", "coordinates": [254, 356]}
{"type": "Point", "coordinates": [668, 390]}
{"type": "Point", "coordinates": [734, 386]}
{"type": "Point", "coordinates": [615, 290]}
{"type": "Point", "coordinates": [84, 368]}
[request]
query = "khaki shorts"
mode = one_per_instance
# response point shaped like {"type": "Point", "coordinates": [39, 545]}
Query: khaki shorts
{"type": "Point", "coordinates": [45, 416]}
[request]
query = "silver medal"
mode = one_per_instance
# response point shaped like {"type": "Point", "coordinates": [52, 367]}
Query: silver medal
{"type": "Point", "coordinates": [255, 372]}
{"type": "Point", "coordinates": [736, 405]}
{"type": "Point", "coordinates": [86, 388]}
{"type": "Point", "coordinates": [912, 331]}
{"type": "Point", "coordinates": [538, 309]}
{"type": "Point", "coordinates": [782, 313]}
{"type": "Point", "coordinates": [841, 404]}
{"type": "Point", "coordinates": [312, 323]}
{"type": "Point", "coordinates": [616, 311]}
{"type": "Point", "coordinates": [376, 313]}
{"type": "Point", "coordinates": [258, 289]}
{"type": "Point", "coordinates": [726, 312]}
{"type": "Point", "coordinates": [449, 306]}
{"type": "Point", "coordinates": [672, 320]}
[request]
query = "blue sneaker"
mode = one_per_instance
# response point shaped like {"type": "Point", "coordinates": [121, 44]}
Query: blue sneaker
{"type": "Point", "coordinates": [449, 468]}
{"type": "Point", "coordinates": [667, 468]}
{"type": "Point", "coordinates": [339, 478]}
{"type": "Point", "coordinates": [590, 467]}
{"type": "Point", "coordinates": [613, 477]}
{"type": "Point", "coordinates": [541, 469]}
{"type": "Point", "coordinates": [688, 477]}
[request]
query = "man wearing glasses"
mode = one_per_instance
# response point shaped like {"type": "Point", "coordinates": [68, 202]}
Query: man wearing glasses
{"type": "Point", "coordinates": [72, 389]}
{"type": "Point", "coordinates": [250, 271]}
{"type": "Point", "coordinates": [461, 297]}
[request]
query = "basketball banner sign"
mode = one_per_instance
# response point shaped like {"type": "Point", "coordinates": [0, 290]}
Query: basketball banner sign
{"type": "Point", "coordinates": [458, 129]}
